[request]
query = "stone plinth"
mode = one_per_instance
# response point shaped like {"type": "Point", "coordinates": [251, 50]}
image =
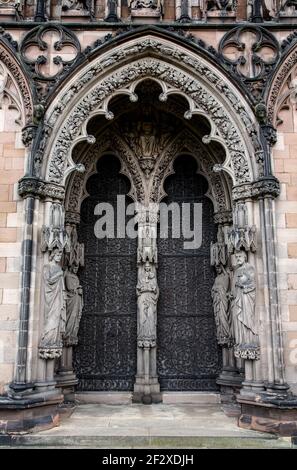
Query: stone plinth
{"type": "Point", "coordinates": [28, 415]}
{"type": "Point", "coordinates": [276, 416]}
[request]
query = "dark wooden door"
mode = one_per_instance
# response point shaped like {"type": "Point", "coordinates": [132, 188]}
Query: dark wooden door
{"type": "Point", "coordinates": [188, 355]}
{"type": "Point", "coordinates": [105, 358]}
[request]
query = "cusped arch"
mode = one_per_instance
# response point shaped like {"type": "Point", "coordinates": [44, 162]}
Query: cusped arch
{"type": "Point", "coordinates": [177, 70]}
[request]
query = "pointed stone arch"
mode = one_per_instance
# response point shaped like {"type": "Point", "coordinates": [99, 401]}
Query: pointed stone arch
{"type": "Point", "coordinates": [178, 71]}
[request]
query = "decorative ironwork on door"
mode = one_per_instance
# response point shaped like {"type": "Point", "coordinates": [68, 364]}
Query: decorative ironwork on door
{"type": "Point", "coordinates": [105, 358]}
{"type": "Point", "coordinates": [188, 356]}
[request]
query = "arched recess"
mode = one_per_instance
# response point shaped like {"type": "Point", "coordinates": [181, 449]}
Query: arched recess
{"type": "Point", "coordinates": [282, 90]}
{"type": "Point", "coordinates": [178, 71]}
{"type": "Point", "coordinates": [14, 79]}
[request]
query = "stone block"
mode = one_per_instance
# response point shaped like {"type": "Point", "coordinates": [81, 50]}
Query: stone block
{"type": "Point", "coordinates": [292, 250]}
{"type": "Point", "coordinates": [7, 206]}
{"type": "Point", "coordinates": [292, 193]}
{"type": "Point", "coordinates": [8, 234]}
{"type": "Point", "coordinates": [293, 313]}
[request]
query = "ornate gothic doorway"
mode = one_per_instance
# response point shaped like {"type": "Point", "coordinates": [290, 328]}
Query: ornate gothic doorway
{"type": "Point", "coordinates": [106, 356]}
{"type": "Point", "coordinates": [188, 355]}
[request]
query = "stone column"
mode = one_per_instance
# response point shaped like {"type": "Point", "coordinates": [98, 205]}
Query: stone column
{"type": "Point", "coordinates": [20, 383]}
{"type": "Point", "coordinates": [147, 388]}
{"type": "Point", "coordinates": [275, 351]}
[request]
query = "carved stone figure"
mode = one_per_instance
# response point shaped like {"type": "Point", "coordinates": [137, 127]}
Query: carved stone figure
{"type": "Point", "coordinates": [74, 306]}
{"type": "Point", "coordinates": [223, 5]}
{"type": "Point", "coordinates": [147, 298]}
{"type": "Point", "coordinates": [219, 295]}
{"type": "Point", "coordinates": [147, 250]}
{"type": "Point", "coordinates": [74, 5]}
{"type": "Point", "coordinates": [139, 4]}
{"type": "Point", "coordinates": [54, 308]}
{"type": "Point", "coordinates": [243, 295]}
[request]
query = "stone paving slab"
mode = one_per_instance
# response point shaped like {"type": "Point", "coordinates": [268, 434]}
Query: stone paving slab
{"type": "Point", "coordinates": [148, 426]}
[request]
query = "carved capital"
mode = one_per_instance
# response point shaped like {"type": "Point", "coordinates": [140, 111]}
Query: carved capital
{"type": "Point", "coordinates": [50, 353]}
{"type": "Point", "coordinates": [242, 192]}
{"type": "Point", "coordinates": [268, 186]}
{"type": "Point", "coordinates": [247, 351]}
{"type": "Point", "coordinates": [29, 186]}
{"type": "Point", "coordinates": [223, 217]}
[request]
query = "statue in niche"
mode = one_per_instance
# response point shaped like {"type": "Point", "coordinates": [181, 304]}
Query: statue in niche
{"type": "Point", "coordinates": [54, 307]}
{"type": "Point", "coordinates": [219, 295]}
{"type": "Point", "coordinates": [74, 305]}
{"type": "Point", "coordinates": [147, 139]}
{"type": "Point", "coordinates": [74, 5]}
{"type": "Point", "coordinates": [147, 298]}
{"type": "Point", "coordinates": [147, 146]}
{"type": "Point", "coordinates": [243, 302]}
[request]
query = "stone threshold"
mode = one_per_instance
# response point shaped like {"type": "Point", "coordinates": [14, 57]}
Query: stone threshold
{"type": "Point", "coordinates": [125, 398]}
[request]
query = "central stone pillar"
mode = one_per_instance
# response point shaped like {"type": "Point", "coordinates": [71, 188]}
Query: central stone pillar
{"type": "Point", "coordinates": [147, 387]}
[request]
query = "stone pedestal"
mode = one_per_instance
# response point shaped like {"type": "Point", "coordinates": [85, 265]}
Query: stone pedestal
{"type": "Point", "coordinates": [269, 414]}
{"type": "Point", "coordinates": [29, 414]}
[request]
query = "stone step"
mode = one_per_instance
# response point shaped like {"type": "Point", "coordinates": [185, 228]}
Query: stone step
{"type": "Point", "coordinates": [125, 398]}
{"type": "Point", "coordinates": [144, 442]}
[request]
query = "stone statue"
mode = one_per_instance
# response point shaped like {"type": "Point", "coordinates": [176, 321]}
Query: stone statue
{"type": "Point", "coordinates": [219, 295]}
{"type": "Point", "coordinates": [54, 308]}
{"type": "Point", "coordinates": [74, 305]}
{"type": "Point", "coordinates": [147, 140]}
{"type": "Point", "coordinates": [223, 5]}
{"type": "Point", "coordinates": [147, 298]}
{"type": "Point", "coordinates": [243, 296]}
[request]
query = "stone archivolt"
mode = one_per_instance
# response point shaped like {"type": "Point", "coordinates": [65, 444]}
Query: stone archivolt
{"type": "Point", "coordinates": [172, 78]}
